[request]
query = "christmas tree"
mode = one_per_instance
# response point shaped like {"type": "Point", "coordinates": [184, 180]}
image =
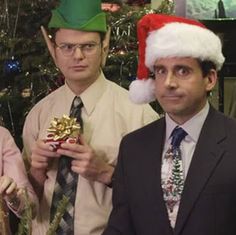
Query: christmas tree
{"type": "Point", "coordinates": [27, 72]}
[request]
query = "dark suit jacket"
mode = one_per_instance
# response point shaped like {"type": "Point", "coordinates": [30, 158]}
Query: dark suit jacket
{"type": "Point", "coordinates": [208, 203]}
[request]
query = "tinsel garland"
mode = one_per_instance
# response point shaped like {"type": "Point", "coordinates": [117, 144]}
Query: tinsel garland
{"type": "Point", "coordinates": [58, 216]}
{"type": "Point", "coordinates": [4, 222]}
{"type": "Point", "coordinates": [25, 226]}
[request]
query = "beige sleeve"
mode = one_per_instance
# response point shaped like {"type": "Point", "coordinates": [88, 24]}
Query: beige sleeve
{"type": "Point", "coordinates": [30, 134]}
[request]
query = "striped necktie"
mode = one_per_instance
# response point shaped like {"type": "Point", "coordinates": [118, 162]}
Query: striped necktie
{"type": "Point", "coordinates": [66, 182]}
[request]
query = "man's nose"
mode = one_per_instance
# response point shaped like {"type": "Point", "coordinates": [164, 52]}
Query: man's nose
{"type": "Point", "coordinates": [78, 53]}
{"type": "Point", "coordinates": [171, 80]}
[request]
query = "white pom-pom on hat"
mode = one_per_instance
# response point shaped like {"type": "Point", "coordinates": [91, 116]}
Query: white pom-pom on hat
{"type": "Point", "coordinates": [142, 91]}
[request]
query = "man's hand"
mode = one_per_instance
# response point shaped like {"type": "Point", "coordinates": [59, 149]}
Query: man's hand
{"type": "Point", "coordinates": [42, 155]}
{"type": "Point", "coordinates": [86, 162]}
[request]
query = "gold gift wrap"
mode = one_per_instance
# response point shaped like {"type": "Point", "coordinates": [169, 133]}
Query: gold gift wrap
{"type": "Point", "coordinates": [62, 129]}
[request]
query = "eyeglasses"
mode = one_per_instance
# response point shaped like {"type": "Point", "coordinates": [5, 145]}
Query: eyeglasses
{"type": "Point", "coordinates": [68, 49]}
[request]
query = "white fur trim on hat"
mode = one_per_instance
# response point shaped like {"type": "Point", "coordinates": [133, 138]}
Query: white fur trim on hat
{"type": "Point", "coordinates": [183, 40]}
{"type": "Point", "coordinates": [142, 91]}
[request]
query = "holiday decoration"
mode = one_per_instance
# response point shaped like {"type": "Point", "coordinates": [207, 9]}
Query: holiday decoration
{"type": "Point", "coordinates": [164, 7]}
{"type": "Point", "coordinates": [61, 130]}
{"type": "Point", "coordinates": [25, 226]}
{"type": "Point", "coordinates": [122, 59]}
{"type": "Point", "coordinates": [138, 2]}
{"type": "Point", "coordinates": [12, 66]}
{"type": "Point", "coordinates": [4, 222]}
{"type": "Point", "coordinates": [112, 7]}
{"type": "Point", "coordinates": [154, 34]}
{"type": "Point", "coordinates": [26, 71]}
{"type": "Point", "coordinates": [59, 213]}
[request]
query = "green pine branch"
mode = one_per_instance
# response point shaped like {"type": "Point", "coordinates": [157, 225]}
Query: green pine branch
{"type": "Point", "coordinates": [25, 226]}
{"type": "Point", "coordinates": [4, 223]}
{"type": "Point", "coordinates": [58, 216]}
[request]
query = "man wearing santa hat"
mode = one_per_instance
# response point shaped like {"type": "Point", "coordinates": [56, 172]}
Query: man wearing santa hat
{"type": "Point", "coordinates": [176, 175]}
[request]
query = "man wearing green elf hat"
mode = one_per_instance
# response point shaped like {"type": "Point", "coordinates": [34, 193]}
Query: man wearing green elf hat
{"type": "Point", "coordinates": [79, 46]}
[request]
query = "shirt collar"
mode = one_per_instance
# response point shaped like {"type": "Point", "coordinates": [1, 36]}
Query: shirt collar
{"type": "Point", "coordinates": [193, 126]}
{"type": "Point", "coordinates": [69, 96]}
{"type": "Point", "coordinates": [91, 95]}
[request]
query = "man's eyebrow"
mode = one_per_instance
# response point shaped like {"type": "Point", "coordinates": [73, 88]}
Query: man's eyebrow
{"type": "Point", "coordinates": [85, 42]}
{"type": "Point", "coordinates": [158, 66]}
{"type": "Point", "coordinates": [178, 66]}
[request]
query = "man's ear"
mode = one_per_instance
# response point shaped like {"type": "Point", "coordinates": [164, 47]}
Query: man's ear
{"type": "Point", "coordinates": [211, 80]}
{"type": "Point", "coordinates": [48, 42]}
{"type": "Point", "coordinates": [105, 48]}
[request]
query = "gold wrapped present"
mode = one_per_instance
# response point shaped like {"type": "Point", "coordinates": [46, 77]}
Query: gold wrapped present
{"type": "Point", "coordinates": [63, 129]}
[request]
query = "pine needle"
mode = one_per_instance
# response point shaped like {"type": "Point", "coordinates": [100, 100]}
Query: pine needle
{"type": "Point", "coordinates": [25, 226]}
{"type": "Point", "coordinates": [58, 216]}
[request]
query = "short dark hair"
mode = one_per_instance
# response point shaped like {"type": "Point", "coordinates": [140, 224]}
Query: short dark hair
{"type": "Point", "coordinates": [102, 35]}
{"type": "Point", "coordinates": [206, 66]}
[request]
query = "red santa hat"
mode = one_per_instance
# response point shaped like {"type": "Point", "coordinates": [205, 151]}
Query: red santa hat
{"type": "Point", "coordinates": [162, 36]}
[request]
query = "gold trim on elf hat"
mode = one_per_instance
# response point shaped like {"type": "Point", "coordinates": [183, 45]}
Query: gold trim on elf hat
{"type": "Point", "coordinates": [85, 15]}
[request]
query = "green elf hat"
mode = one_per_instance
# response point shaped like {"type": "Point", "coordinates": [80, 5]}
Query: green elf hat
{"type": "Point", "coordinates": [85, 15]}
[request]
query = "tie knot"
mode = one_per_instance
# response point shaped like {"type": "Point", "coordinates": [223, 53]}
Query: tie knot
{"type": "Point", "coordinates": [77, 102]}
{"type": "Point", "coordinates": [178, 135]}
{"type": "Point", "coordinates": [76, 106]}
{"type": "Point", "coordinates": [75, 110]}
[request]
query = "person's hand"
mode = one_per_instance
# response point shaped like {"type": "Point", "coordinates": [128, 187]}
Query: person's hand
{"type": "Point", "coordinates": [7, 186]}
{"type": "Point", "coordinates": [10, 192]}
{"type": "Point", "coordinates": [86, 162]}
{"type": "Point", "coordinates": [42, 154]}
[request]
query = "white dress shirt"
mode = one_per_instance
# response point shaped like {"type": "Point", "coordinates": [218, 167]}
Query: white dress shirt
{"type": "Point", "coordinates": [187, 146]}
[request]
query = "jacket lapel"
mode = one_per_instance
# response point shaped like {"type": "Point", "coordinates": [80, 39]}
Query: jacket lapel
{"type": "Point", "coordinates": [208, 152]}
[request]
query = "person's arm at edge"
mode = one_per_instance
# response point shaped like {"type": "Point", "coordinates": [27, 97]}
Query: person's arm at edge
{"type": "Point", "coordinates": [15, 169]}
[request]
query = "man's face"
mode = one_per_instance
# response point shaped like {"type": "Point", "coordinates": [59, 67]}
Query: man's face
{"type": "Point", "coordinates": [79, 64]}
{"type": "Point", "coordinates": [181, 88]}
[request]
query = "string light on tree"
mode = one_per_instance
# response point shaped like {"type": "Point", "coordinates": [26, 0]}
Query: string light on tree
{"type": "Point", "coordinates": [12, 66]}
